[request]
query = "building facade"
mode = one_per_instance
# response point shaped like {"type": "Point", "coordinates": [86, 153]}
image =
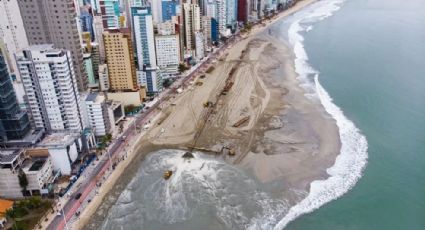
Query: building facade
{"type": "Point", "coordinates": [98, 115]}
{"type": "Point", "coordinates": [38, 171]}
{"type": "Point", "coordinates": [192, 23]}
{"type": "Point", "coordinates": [120, 60]}
{"type": "Point", "coordinates": [199, 45]}
{"type": "Point", "coordinates": [12, 34]}
{"type": "Point", "coordinates": [103, 77]}
{"type": "Point", "coordinates": [51, 87]}
{"type": "Point", "coordinates": [55, 23]}
{"type": "Point", "coordinates": [168, 53]}
{"type": "Point", "coordinates": [145, 49]}
{"type": "Point", "coordinates": [14, 123]}
{"type": "Point", "coordinates": [169, 9]}
{"type": "Point", "coordinates": [110, 11]}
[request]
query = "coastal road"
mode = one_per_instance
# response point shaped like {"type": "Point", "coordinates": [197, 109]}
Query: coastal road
{"type": "Point", "coordinates": [118, 146]}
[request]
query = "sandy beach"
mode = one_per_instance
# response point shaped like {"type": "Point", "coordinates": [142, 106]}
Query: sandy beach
{"type": "Point", "coordinates": [285, 138]}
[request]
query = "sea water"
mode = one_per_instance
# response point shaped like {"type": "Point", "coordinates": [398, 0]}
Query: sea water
{"type": "Point", "coordinates": [370, 58]}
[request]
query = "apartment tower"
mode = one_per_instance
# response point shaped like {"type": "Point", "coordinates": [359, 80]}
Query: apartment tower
{"type": "Point", "coordinates": [120, 60]}
{"type": "Point", "coordinates": [51, 87]}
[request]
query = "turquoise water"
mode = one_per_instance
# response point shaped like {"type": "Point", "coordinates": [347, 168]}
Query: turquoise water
{"type": "Point", "coordinates": [371, 59]}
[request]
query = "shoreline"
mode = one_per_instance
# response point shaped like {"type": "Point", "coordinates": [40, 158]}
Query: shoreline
{"type": "Point", "coordinates": [140, 150]}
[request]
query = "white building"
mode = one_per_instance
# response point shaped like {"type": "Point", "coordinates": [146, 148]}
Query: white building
{"type": "Point", "coordinates": [37, 169]}
{"type": "Point", "coordinates": [103, 77]}
{"type": "Point", "coordinates": [98, 115]}
{"type": "Point", "coordinates": [199, 45]}
{"type": "Point", "coordinates": [51, 87]}
{"type": "Point", "coordinates": [221, 15]}
{"type": "Point", "coordinates": [63, 148]}
{"type": "Point", "coordinates": [168, 54]}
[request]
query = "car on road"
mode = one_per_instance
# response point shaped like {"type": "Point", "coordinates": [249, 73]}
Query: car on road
{"type": "Point", "coordinates": [77, 197]}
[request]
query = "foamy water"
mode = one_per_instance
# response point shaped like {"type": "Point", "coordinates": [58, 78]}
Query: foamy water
{"type": "Point", "coordinates": [352, 159]}
{"type": "Point", "coordinates": [202, 191]}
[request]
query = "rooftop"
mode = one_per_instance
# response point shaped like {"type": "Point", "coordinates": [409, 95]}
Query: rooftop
{"type": "Point", "coordinates": [4, 206]}
{"type": "Point", "coordinates": [95, 97]}
{"type": "Point", "coordinates": [58, 139]}
{"type": "Point", "coordinates": [7, 156]}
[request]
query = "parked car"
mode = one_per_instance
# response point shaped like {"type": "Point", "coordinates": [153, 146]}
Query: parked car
{"type": "Point", "coordinates": [77, 197]}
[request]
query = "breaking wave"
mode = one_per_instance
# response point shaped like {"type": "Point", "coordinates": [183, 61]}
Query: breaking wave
{"type": "Point", "coordinates": [352, 159]}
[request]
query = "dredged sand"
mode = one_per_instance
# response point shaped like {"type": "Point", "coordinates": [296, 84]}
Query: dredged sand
{"type": "Point", "coordinates": [288, 138]}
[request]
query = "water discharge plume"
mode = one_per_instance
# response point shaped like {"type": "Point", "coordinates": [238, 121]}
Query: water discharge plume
{"type": "Point", "coordinates": [198, 187]}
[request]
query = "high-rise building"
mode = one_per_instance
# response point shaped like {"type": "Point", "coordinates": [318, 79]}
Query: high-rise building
{"type": "Point", "coordinates": [214, 30]}
{"type": "Point", "coordinates": [199, 45]}
{"type": "Point", "coordinates": [120, 59]}
{"type": "Point", "coordinates": [98, 34]}
{"type": "Point", "coordinates": [243, 11]}
{"type": "Point", "coordinates": [110, 11]}
{"type": "Point", "coordinates": [168, 53]}
{"type": "Point", "coordinates": [144, 37]}
{"type": "Point", "coordinates": [86, 20]}
{"type": "Point", "coordinates": [169, 9]}
{"type": "Point", "coordinates": [50, 84]}
{"type": "Point", "coordinates": [55, 23]}
{"type": "Point", "coordinates": [192, 23]}
{"type": "Point", "coordinates": [14, 123]}
{"type": "Point", "coordinates": [206, 29]}
{"type": "Point", "coordinates": [231, 12]}
{"type": "Point", "coordinates": [145, 49]}
{"type": "Point", "coordinates": [221, 16]}
{"type": "Point", "coordinates": [12, 34]}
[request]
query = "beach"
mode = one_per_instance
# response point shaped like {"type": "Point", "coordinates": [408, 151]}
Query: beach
{"type": "Point", "coordinates": [279, 135]}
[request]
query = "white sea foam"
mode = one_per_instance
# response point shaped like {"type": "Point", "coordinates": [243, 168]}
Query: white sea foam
{"type": "Point", "coordinates": [352, 159]}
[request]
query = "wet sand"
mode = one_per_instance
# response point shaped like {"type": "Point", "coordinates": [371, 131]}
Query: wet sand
{"type": "Point", "coordinates": [288, 139]}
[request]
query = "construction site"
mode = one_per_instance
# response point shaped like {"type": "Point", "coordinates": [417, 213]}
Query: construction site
{"type": "Point", "coordinates": [216, 112]}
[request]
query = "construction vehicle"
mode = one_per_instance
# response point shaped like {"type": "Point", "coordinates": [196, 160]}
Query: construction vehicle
{"type": "Point", "coordinates": [167, 174]}
{"type": "Point", "coordinates": [208, 104]}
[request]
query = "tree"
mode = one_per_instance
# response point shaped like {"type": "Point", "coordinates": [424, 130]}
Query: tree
{"type": "Point", "coordinates": [129, 108]}
{"type": "Point", "coordinates": [182, 67]}
{"type": "Point", "coordinates": [23, 181]}
{"type": "Point", "coordinates": [167, 82]}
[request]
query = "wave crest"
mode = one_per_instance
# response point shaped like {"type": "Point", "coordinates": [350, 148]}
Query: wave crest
{"type": "Point", "coordinates": [352, 159]}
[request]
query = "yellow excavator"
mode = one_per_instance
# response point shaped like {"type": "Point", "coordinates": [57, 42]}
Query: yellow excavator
{"type": "Point", "coordinates": [167, 174]}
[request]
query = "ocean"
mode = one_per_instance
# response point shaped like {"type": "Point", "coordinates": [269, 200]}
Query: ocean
{"type": "Point", "coordinates": [370, 57]}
